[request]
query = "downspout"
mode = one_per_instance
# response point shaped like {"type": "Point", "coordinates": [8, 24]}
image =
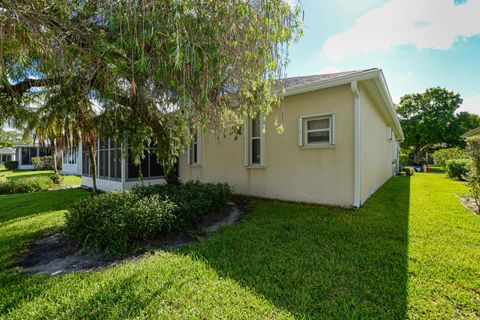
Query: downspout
{"type": "Point", "coordinates": [356, 150]}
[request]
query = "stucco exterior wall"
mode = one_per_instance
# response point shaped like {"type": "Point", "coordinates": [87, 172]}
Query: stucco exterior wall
{"type": "Point", "coordinates": [378, 154]}
{"type": "Point", "coordinates": [114, 185]}
{"type": "Point", "coordinates": [317, 175]}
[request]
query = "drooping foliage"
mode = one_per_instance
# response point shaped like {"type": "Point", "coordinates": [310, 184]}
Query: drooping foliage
{"type": "Point", "coordinates": [152, 68]}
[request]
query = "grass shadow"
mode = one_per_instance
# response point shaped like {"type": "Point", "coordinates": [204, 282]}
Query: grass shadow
{"type": "Point", "coordinates": [320, 262]}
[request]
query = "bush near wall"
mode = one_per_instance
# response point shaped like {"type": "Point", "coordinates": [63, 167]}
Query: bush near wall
{"type": "Point", "coordinates": [46, 163]}
{"type": "Point", "coordinates": [11, 165]}
{"type": "Point", "coordinates": [458, 168]}
{"type": "Point", "coordinates": [117, 222]}
{"type": "Point", "coordinates": [25, 185]}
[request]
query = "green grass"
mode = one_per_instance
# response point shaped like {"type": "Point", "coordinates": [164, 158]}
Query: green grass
{"type": "Point", "coordinates": [437, 169]}
{"type": "Point", "coordinates": [68, 180]}
{"type": "Point", "coordinates": [411, 251]}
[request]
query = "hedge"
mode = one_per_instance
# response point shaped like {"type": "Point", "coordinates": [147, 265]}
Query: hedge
{"type": "Point", "coordinates": [25, 185]}
{"type": "Point", "coordinates": [458, 168]}
{"type": "Point", "coordinates": [117, 222]}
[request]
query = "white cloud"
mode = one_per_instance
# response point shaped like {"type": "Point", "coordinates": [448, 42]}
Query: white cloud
{"type": "Point", "coordinates": [424, 23]}
{"type": "Point", "coordinates": [471, 104]}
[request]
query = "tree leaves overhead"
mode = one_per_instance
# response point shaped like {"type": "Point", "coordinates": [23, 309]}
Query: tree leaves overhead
{"type": "Point", "coordinates": [156, 67]}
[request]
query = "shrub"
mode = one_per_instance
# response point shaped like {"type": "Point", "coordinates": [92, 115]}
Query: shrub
{"type": "Point", "coordinates": [441, 156]}
{"type": "Point", "coordinates": [46, 163]}
{"type": "Point", "coordinates": [56, 179]}
{"type": "Point", "coordinates": [116, 222]}
{"type": "Point", "coordinates": [458, 168]}
{"type": "Point", "coordinates": [25, 185]}
{"type": "Point", "coordinates": [408, 171]}
{"type": "Point", "coordinates": [11, 165]}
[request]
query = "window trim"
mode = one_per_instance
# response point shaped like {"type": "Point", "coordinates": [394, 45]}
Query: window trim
{"type": "Point", "coordinates": [247, 129]}
{"type": "Point", "coordinates": [191, 149]}
{"type": "Point", "coordinates": [303, 131]}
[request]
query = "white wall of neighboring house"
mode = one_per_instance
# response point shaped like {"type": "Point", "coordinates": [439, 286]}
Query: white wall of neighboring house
{"type": "Point", "coordinates": [72, 161]}
{"type": "Point", "coordinates": [7, 154]}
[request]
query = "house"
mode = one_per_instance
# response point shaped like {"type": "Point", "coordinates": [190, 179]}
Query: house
{"type": "Point", "coordinates": [339, 145]}
{"type": "Point", "coordinates": [472, 133]}
{"type": "Point", "coordinates": [71, 161]}
{"type": "Point", "coordinates": [7, 154]}
{"type": "Point", "coordinates": [25, 152]}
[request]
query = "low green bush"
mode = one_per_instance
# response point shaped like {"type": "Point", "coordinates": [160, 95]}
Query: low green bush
{"type": "Point", "coordinates": [25, 185]}
{"type": "Point", "coordinates": [117, 222]}
{"type": "Point", "coordinates": [408, 171]}
{"type": "Point", "coordinates": [458, 168]}
{"type": "Point", "coordinates": [11, 165]}
{"type": "Point", "coordinates": [56, 179]}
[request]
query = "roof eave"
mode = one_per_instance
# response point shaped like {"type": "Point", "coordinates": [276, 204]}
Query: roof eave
{"type": "Point", "coordinates": [471, 133]}
{"type": "Point", "coordinates": [374, 74]}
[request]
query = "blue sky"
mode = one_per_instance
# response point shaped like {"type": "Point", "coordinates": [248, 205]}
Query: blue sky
{"type": "Point", "coordinates": [418, 43]}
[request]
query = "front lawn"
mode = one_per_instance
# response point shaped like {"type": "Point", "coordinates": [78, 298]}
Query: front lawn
{"type": "Point", "coordinates": [68, 180]}
{"type": "Point", "coordinates": [411, 251]}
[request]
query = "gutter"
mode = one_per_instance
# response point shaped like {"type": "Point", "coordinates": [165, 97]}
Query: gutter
{"type": "Point", "coordinates": [356, 149]}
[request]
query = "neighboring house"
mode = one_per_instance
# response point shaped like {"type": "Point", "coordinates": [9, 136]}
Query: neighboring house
{"type": "Point", "coordinates": [71, 161]}
{"type": "Point", "coordinates": [25, 153]}
{"type": "Point", "coordinates": [7, 154]}
{"type": "Point", "coordinates": [472, 133]}
{"type": "Point", "coordinates": [339, 145]}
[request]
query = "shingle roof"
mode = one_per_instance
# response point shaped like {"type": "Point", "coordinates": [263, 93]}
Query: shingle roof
{"type": "Point", "coordinates": [297, 82]}
{"type": "Point", "coordinates": [7, 150]}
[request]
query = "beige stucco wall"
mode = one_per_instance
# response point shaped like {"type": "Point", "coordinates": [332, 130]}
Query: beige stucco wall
{"type": "Point", "coordinates": [377, 152]}
{"type": "Point", "coordinates": [318, 175]}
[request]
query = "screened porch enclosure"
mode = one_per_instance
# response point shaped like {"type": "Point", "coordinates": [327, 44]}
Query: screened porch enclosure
{"type": "Point", "coordinates": [116, 168]}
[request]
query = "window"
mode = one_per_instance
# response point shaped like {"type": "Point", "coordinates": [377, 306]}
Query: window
{"type": "Point", "coordinates": [27, 154]}
{"type": "Point", "coordinates": [5, 158]}
{"type": "Point", "coordinates": [109, 162]}
{"type": "Point", "coordinates": [194, 150]}
{"type": "Point", "coordinates": [254, 142]}
{"type": "Point", "coordinates": [86, 164]}
{"type": "Point", "coordinates": [317, 130]}
{"type": "Point", "coordinates": [70, 156]}
{"type": "Point", "coordinates": [149, 168]}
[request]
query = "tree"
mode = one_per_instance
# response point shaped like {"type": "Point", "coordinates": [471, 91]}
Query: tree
{"type": "Point", "coordinates": [429, 119]}
{"type": "Point", "coordinates": [158, 68]}
{"type": "Point", "coordinates": [9, 138]}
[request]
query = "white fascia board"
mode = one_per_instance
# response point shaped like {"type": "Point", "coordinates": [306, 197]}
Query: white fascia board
{"type": "Point", "coordinates": [385, 93]}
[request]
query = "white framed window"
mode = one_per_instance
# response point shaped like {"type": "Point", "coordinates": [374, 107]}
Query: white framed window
{"type": "Point", "coordinates": [317, 130]}
{"type": "Point", "coordinates": [254, 142]}
{"type": "Point", "coordinates": [193, 152]}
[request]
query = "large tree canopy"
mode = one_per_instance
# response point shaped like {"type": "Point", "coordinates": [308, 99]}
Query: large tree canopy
{"type": "Point", "coordinates": [430, 118]}
{"type": "Point", "coordinates": [152, 68]}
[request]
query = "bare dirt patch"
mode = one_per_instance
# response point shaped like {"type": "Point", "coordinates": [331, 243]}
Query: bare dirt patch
{"type": "Point", "coordinates": [469, 203]}
{"type": "Point", "coordinates": [54, 256]}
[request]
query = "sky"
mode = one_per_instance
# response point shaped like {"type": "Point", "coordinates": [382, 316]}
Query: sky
{"type": "Point", "coordinates": [417, 43]}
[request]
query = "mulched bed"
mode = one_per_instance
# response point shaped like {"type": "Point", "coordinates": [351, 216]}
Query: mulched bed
{"type": "Point", "coordinates": [54, 256]}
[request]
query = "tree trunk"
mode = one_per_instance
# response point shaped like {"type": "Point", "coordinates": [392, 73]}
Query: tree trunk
{"type": "Point", "coordinates": [93, 169]}
{"type": "Point", "coordinates": [55, 168]}
{"type": "Point", "coordinates": [170, 174]}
